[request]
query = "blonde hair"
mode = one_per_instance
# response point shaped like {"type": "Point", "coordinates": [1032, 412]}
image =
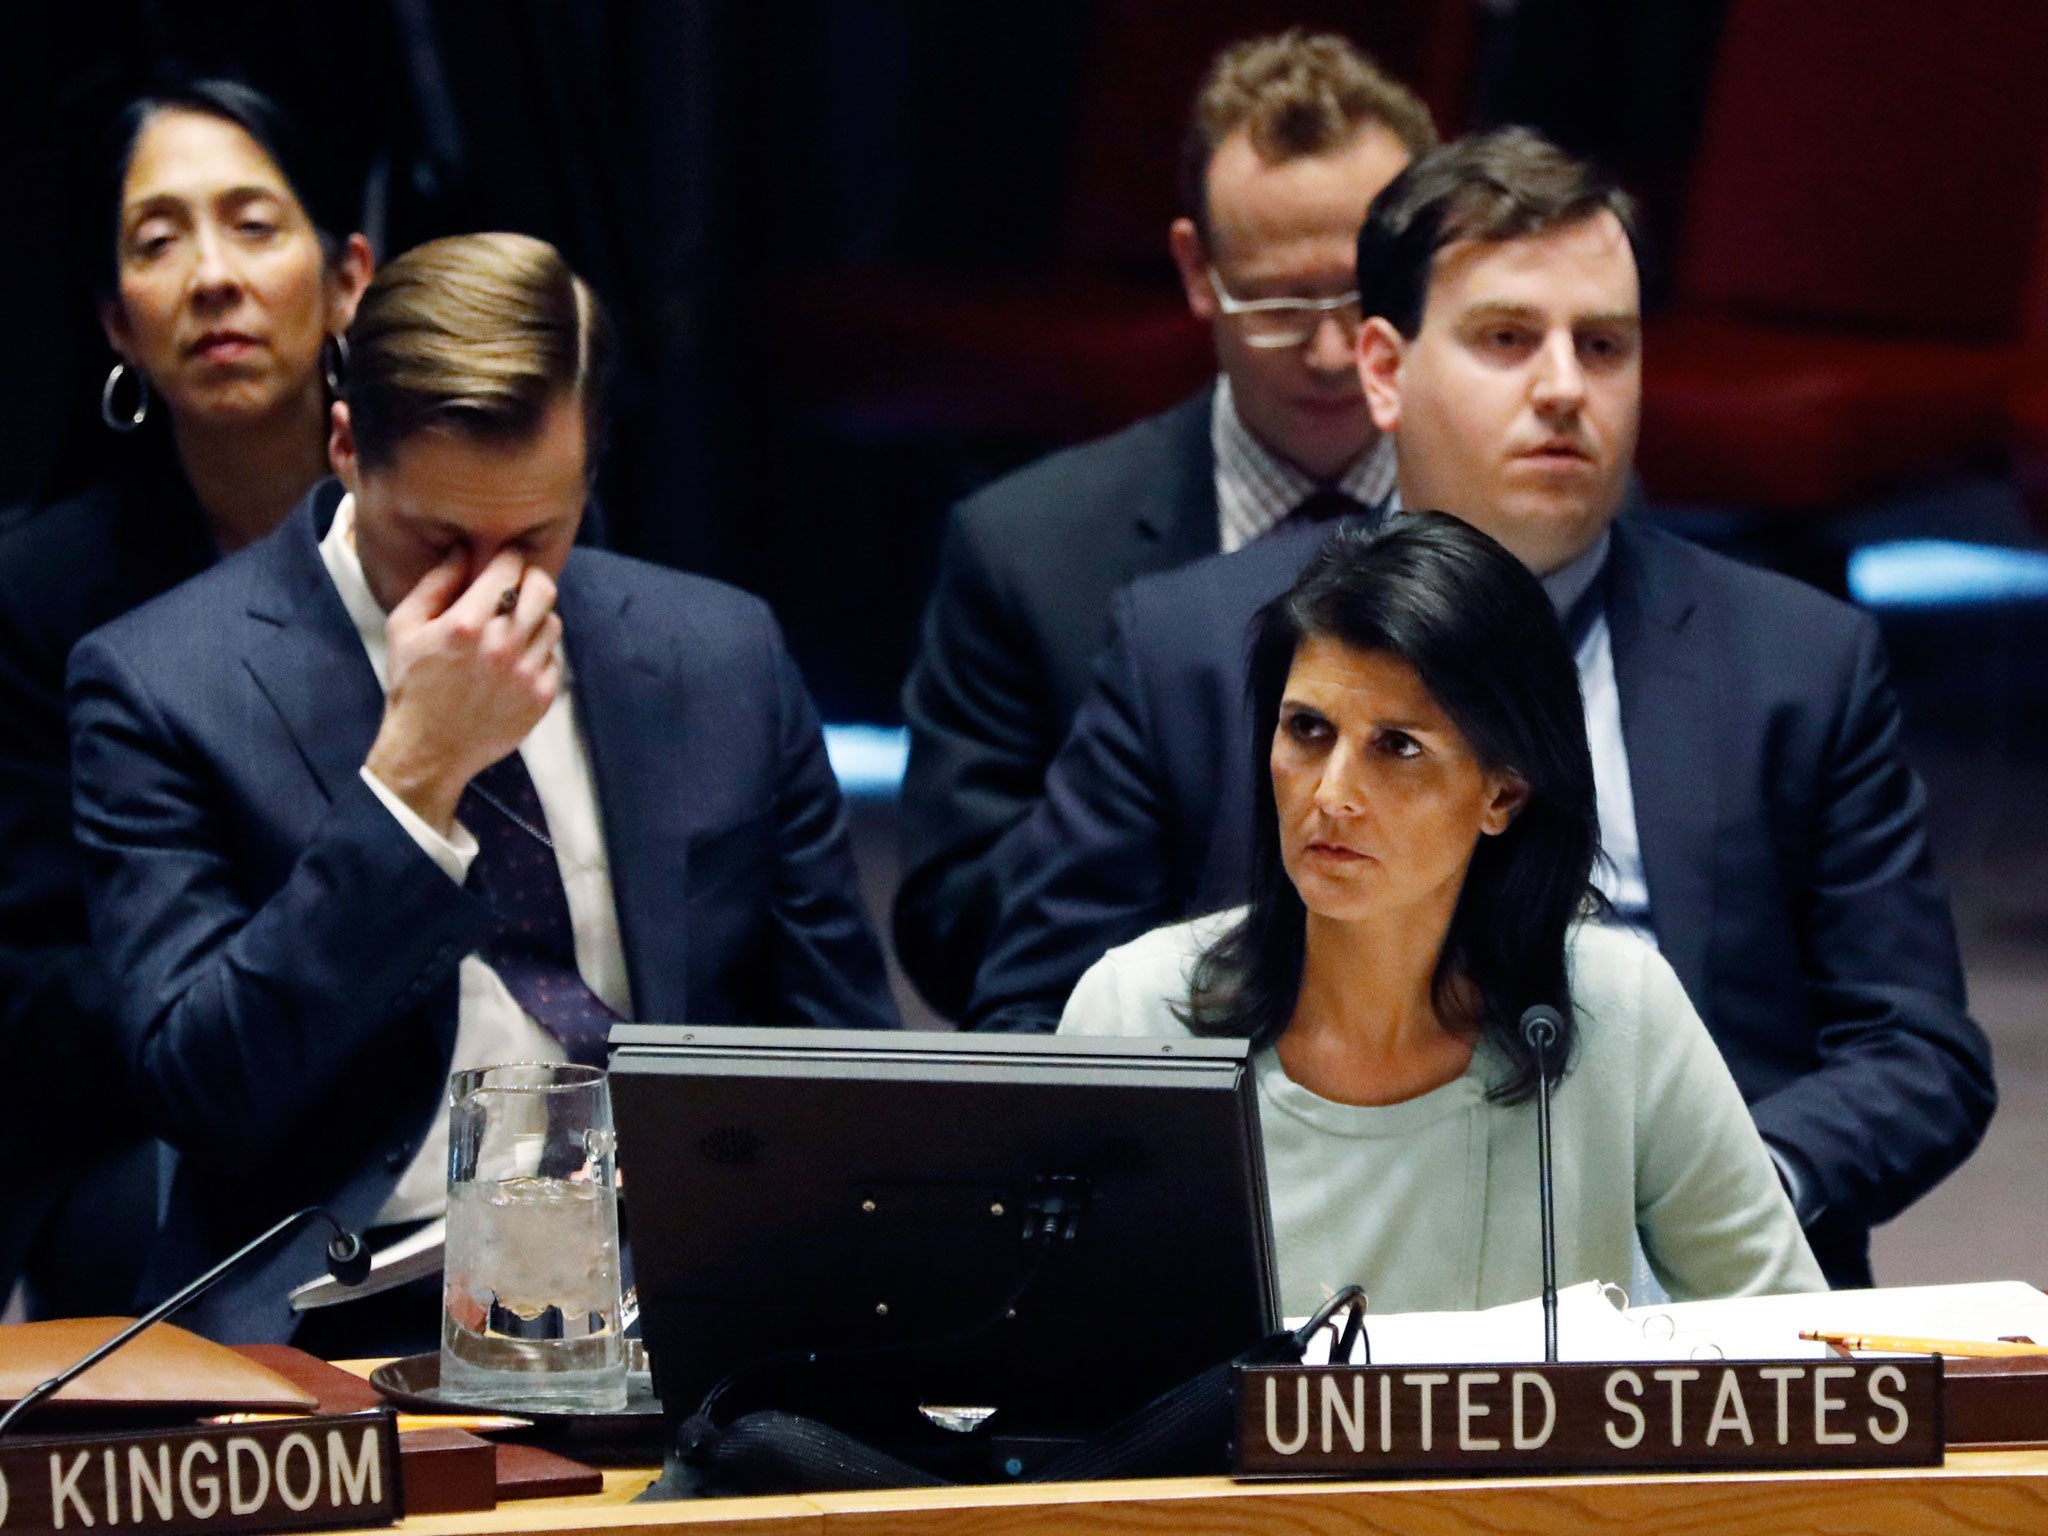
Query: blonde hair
{"type": "Point", "coordinates": [1298, 93]}
{"type": "Point", "coordinates": [477, 334]}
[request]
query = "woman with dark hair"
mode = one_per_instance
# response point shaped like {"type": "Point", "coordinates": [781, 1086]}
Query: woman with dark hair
{"type": "Point", "coordinates": [1420, 879]}
{"type": "Point", "coordinates": [225, 286]}
{"type": "Point", "coordinates": [222, 292]}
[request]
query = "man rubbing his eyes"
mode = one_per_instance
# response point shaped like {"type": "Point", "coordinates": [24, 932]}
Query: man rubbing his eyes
{"type": "Point", "coordinates": [414, 786]}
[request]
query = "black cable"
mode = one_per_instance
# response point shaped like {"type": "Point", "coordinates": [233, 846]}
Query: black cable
{"type": "Point", "coordinates": [1354, 1335]}
{"type": "Point", "coordinates": [1352, 1296]}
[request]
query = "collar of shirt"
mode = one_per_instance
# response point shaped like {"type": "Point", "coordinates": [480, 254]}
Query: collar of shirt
{"type": "Point", "coordinates": [1256, 488]}
{"type": "Point", "coordinates": [345, 569]}
{"type": "Point", "coordinates": [1570, 581]}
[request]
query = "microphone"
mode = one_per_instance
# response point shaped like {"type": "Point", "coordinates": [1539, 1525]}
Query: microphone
{"type": "Point", "coordinates": [1541, 1027]}
{"type": "Point", "coordinates": [348, 1260]}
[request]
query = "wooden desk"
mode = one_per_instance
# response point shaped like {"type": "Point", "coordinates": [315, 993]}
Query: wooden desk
{"type": "Point", "coordinates": [1976, 1493]}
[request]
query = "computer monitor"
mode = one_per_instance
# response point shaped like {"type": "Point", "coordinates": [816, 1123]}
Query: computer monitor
{"type": "Point", "coordinates": [834, 1190]}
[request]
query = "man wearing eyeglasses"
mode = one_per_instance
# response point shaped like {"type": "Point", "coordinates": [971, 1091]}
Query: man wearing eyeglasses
{"type": "Point", "coordinates": [1290, 139]}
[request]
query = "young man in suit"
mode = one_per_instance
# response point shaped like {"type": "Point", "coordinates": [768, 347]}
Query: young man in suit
{"type": "Point", "coordinates": [1291, 137]}
{"type": "Point", "coordinates": [411, 785]}
{"type": "Point", "coordinates": [1757, 820]}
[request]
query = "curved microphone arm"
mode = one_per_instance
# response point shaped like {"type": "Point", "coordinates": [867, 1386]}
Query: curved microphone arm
{"type": "Point", "coordinates": [1541, 1027]}
{"type": "Point", "coordinates": [348, 1260]}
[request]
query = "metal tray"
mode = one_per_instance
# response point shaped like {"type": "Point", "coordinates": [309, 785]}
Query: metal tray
{"type": "Point", "coordinates": [414, 1382]}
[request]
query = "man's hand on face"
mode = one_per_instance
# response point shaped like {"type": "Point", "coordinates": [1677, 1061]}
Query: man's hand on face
{"type": "Point", "coordinates": [471, 672]}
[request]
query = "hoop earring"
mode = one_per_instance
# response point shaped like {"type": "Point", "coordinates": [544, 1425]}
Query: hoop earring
{"type": "Point", "coordinates": [334, 364]}
{"type": "Point", "coordinates": [136, 418]}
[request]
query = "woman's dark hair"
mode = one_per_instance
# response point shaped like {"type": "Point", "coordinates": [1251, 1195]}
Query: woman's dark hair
{"type": "Point", "coordinates": [231, 101]}
{"type": "Point", "coordinates": [1477, 628]}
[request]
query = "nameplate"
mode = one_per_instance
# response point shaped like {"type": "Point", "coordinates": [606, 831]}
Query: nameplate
{"type": "Point", "coordinates": [285, 1475]}
{"type": "Point", "coordinates": [1452, 1421]}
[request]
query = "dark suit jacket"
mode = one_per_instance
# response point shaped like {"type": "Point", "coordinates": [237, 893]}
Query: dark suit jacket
{"type": "Point", "coordinates": [285, 955]}
{"type": "Point", "coordinates": [79, 1215]}
{"type": "Point", "coordinates": [1020, 608]}
{"type": "Point", "coordinates": [71, 1141]}
{"type": "Point", "coordinates": [1782, 837]}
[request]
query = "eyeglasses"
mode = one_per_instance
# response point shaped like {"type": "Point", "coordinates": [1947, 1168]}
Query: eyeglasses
{"type": "Point", "coordinates": [1286, 322]}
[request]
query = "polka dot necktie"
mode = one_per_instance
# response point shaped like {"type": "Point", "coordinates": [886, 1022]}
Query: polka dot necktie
{"type": "Point", "coordinates": [533, 950]}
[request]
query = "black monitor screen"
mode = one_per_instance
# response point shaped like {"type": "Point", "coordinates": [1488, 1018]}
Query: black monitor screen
{"type": "Point", "coordinates": [840, 1190]}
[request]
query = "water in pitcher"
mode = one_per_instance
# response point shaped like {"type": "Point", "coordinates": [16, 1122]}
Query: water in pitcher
{"type": "Point", "coordinates": [531, 1319]}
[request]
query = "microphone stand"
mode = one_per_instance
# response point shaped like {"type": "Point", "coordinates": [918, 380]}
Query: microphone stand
{"type": "Point", "coordinates": [1540, 1028]}
{"type": "Point", "coordinates": [348, 1260]}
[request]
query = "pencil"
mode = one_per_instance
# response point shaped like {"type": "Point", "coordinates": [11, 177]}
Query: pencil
{"type": "Point", "coordinates": [475, 1423]}
{"type": "Point", "coordinates": [1880, 1343]}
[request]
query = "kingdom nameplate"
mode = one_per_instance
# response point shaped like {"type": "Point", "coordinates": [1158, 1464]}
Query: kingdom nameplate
{"type": "Point", "coordinates": [1453, 1421]}
{"type": "Point", "coordinates": [283, 1475]}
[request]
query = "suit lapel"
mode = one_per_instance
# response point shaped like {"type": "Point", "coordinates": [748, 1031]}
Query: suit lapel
{"type": "Point", "coordinates": [305, 654]}
{"type": "Point", "coordinates": [631, 721]}
{"type": "Point", "coordinates": [1179, 521]}
{"type": "Point", "coordinates": [1671, 725]}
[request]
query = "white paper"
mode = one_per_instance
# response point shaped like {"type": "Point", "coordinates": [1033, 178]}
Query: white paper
{"type": "Point", "coordinates": [410, 1258]}
{"type": "Point", "coordinates": [1589, 1327]}
{"type": "Point", "coordinates": [1757, 1327]}
{"type": "Point", "coordinates": [1593, 1327]}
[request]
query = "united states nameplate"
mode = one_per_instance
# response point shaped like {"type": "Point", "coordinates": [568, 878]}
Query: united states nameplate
{"type": "Point", "coordinates": [1448, 1421]}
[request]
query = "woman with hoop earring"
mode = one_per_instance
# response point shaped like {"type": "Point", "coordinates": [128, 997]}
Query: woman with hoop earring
{"type": "Point", "coordinates": [224, 295]}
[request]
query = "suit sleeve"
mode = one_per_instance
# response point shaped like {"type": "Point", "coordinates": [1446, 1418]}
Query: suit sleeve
{"type": "Point", "coordinates": [1090, 867]}
{"type": "Point", "coordinates": [54, 1021]}
{"type": "Point", "coordinates": [829, 964]}
{"type": "Point", "coordinates": [1901, 1090]}
{"type": "Point", "coordinates": [240, 1012]}
{"type": "Point", "coordinates": [981, 731]}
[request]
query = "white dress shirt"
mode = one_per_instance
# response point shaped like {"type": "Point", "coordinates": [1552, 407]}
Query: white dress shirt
{"type": "Point", "coordinates": [1255, 487]}
{"type": "Point", "coordinates": [490, 1027]}
{"type": "Point", "coordinates": [1618, 873]}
